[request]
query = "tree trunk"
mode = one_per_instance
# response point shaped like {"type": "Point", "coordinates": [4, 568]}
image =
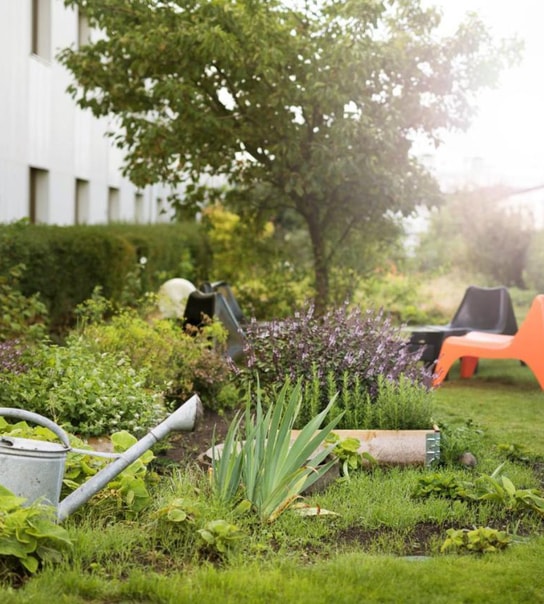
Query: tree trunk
{"type": "Point", "coordinates": [321, 269]}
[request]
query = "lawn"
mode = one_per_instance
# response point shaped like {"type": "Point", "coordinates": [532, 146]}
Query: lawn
{"type": "Point", "coordinates": [383, 544]}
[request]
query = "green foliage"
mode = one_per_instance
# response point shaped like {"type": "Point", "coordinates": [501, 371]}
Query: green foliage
{"type": "Point", "coordinates": [331, 143]}
{"type": "Point", "coordinates": [172, 361]}
{"type": "Point", "coordinates": [178, 511]}
{"type": "Point", "coordinates": [400, 294]}
{"type": "Point", "coordinates": [478, 234]}
{"type": "Point", "coordinates": [85, 392]}
{"type": "Point", "coordinates": [65, 264]}
{"type": "Point", "coordinates": [403, 405]}
{"type": "Point", "coordinates": [442, 485]}
{"type": "Point", "coordinates": [220, 537]}
{"type": "Point", "coordinates": [271, 470]}
{"type": "Point", "coordinates": [515, 452]}
{"type": "Point", "coordinates": [495, 488]}
{"type": "Point", "coordinates": [22, 317]}
{"type": "Point", "coordinates": [29, 535]}
{"type": "Point", "coordinates": [346, 450]}
{"type": "Point", "coordinates": [458, 439]}
{"type": "Point", "coordinates": [481, 540]}
{"type": "Point", "coordinates": [500, 490]}
{"type": "Point", "coordinates": [126, 495]}
{"type": "Point", "coordinates": [400, 405]}
{"type": "Point", "coordinates": [253, 257]}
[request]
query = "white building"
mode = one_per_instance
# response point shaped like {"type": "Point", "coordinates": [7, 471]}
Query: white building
{"type": "Point", "coordinates": [56, 165]}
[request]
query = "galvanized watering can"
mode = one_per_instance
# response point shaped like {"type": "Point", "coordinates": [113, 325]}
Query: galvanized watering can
{"type": "Point", "coordinates": [34, 469]}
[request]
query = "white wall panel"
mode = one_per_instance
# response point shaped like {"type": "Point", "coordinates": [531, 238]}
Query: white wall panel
{"type": "Point", "coordinates": [41, 127]}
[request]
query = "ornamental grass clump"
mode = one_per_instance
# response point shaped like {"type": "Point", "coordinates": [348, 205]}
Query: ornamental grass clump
{"type": "Point", "coordinates": [262, 466]}
{"type": "Point", "coordinates": [345, 343]}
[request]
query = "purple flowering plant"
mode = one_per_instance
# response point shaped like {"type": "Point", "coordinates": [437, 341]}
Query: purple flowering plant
{"type": "Point", "coordinates": [346, 343]}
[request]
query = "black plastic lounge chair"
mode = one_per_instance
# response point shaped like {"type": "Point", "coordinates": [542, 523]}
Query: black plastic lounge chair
{"type": "Point", "coordinates": [487, 309]}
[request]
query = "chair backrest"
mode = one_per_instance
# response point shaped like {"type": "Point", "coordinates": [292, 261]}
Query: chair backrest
{"type": "Point", "coordinates": [532, 328]}
{"type": "Point", "coordinates": [199, 306]}
{"type": "Point", "coordinates": [223, 288]}
{"type": "Point", "coordinates": [212, 305]}
{"type": "Point", "coordinates": [235, 337]}
{"type": "Point", "coordinates": [486, 309]}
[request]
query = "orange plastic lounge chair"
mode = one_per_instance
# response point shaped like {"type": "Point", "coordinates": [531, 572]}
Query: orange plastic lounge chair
{"type": "Point", "coordinates": [527, 345]}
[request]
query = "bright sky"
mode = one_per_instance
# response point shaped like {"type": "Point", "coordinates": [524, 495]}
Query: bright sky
{"type": "Point", "coordinates": [507, 137]}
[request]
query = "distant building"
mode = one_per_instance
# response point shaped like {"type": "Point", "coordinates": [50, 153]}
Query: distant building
{"type": "Point", "coordinates": [56, 165]}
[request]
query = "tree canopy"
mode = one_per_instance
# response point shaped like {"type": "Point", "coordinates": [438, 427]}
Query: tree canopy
{"type": "Point", "coordinates": [310, 106]}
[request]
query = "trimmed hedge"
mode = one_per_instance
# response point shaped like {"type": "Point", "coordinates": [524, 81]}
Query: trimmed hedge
{"type": "Point", "coordinates": [65, 264]}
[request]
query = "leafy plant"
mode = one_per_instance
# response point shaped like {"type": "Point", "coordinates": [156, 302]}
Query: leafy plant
{"type": "Point", "coordinates": [346, 450]}
{"type": "Point", "coordinates": [441, 485]}
{"type": "Point", "coordinates": [481, 540]}
{"type": "Point", "coordinates": [172, 361]}
{"type": "Point", "coordinates": [515, 452]}
{"type": "Point", "coordinates": [495, 488]}
{"type": "Point", "coordinates": [347, 345]}
{"type": "Point", "coordinates": [86, 392]}
{"type": "Point", "coordinates": [499, 489]}
{"type": "Point", "coordinates": [178, 511]}
{"type": "Point", "coordinates": [22, 317]}
{"type": "Point", "coordinates": [29, 534]}
{"type": "Point", "coordinates": [221, 537]}
{"type": "Point", "coordinates": [127, 493]}
{"type": "Point", "coordinates": [401, 405]}
{"type": "Point", "coordinates": [270, 468]}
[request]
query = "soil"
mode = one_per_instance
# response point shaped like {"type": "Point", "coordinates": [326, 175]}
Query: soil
{"type": "Point", "coordinates": [187, 447]}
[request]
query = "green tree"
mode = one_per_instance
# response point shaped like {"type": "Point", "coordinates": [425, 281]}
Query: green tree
{"type": "Point", "coordinates": [478, 232]}
{"type": "Point", "coordinates": [309, 105]}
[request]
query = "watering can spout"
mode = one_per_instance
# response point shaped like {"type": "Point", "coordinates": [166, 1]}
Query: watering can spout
{"type": "Point", "coordinates": [183, 419]}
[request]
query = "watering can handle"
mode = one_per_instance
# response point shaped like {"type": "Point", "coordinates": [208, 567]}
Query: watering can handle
{"type": "Point", "coordinates": [37, 419]}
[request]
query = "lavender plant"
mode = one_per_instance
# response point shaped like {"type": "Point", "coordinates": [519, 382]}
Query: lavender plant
{"type": "Point", "coordinates": [347, 346]}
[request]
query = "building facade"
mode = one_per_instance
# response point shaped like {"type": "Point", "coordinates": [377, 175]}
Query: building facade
{"type": "Point", "coordinates": [56, 165]}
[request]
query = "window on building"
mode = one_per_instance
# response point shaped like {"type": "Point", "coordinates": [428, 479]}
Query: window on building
{"type": "Point", "coordinates": [138, 207]}
{"type": "Point", "coordinates": [83, 30]}
{"type": "Point", "coordinates": [41, 28]}
{"type": "Point", "coordinates": [38, 210]}
{"type": "Point", "coordinates": [114, 205]}
{"type": "Point", "coordinates": [82, 201]}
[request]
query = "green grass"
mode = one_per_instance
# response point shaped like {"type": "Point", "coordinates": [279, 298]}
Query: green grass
{"type": "Point", "coordinates": [503, 397]}
{"type": "Point", "coordinates": [365, 553]}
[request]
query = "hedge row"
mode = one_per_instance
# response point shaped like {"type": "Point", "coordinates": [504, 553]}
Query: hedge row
{"type": "Point", "coordinates": [65, 264]}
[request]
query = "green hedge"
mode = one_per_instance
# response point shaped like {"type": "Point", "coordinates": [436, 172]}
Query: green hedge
{"type": "Point", "coordinates": [65, 264]}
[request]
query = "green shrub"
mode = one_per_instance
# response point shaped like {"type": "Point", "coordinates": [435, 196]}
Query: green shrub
{"type": "Point", "coordinates": [480, 540]}
{"type": "Point", "coordinates": [402, 405]}
{"type": "Point", "coordinates": [65, 264]}
{"type": "Point", "coordinates": [174, 362]}
{"type": "Point", "coordinates": [259, 462]}
{"type": "Point", "coordinates": [21, 317]}
{"type": "Point", "coordinates": [257, 261]}
{"type": "Point", "coordinates": [87, 393]}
